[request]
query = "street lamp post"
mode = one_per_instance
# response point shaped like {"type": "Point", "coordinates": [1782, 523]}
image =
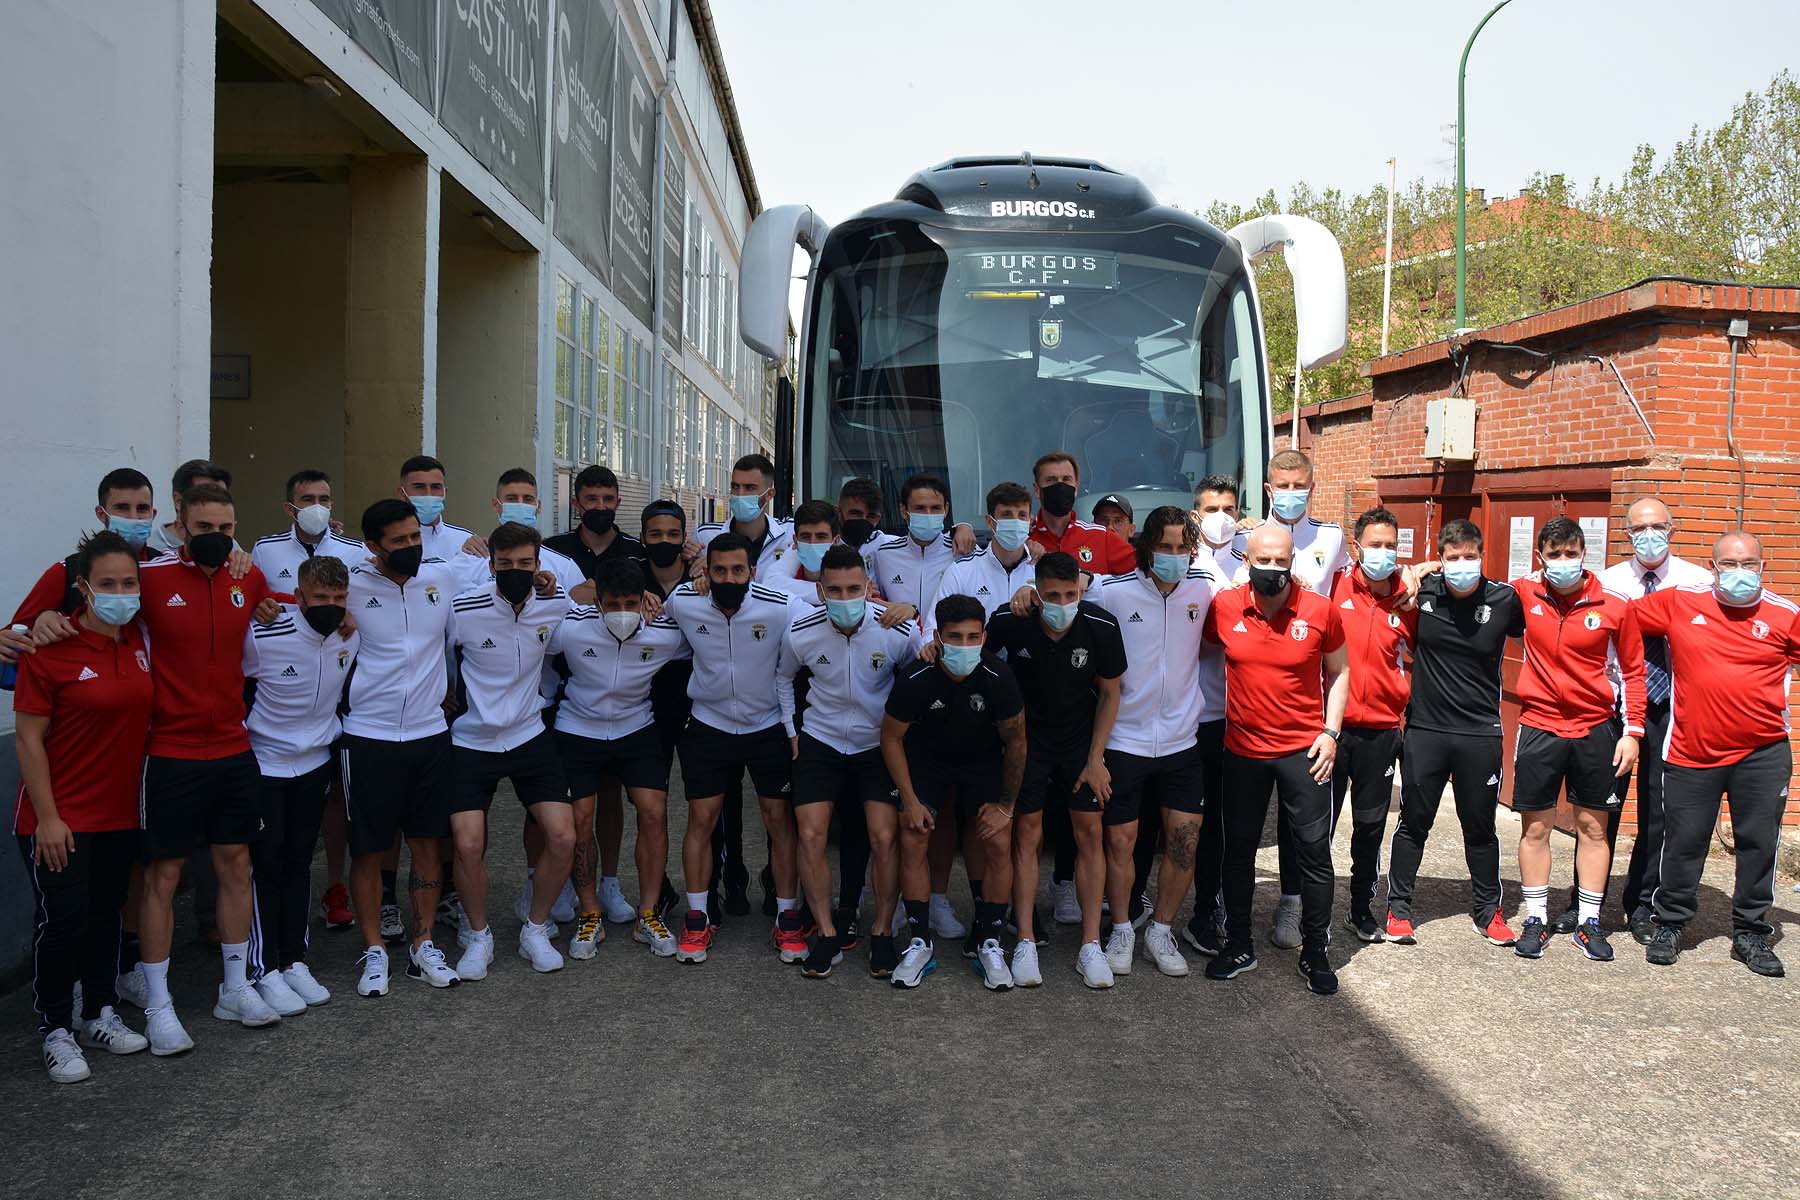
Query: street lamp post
{"type": "Point", "coordinates": [1462, 183]}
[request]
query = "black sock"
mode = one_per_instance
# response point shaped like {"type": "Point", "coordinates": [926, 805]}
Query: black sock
{"type": "Point", "coordinates": [975, 891]}
{"type": "Point", "coordinates": [989, 917]}
{"type": "Point", "coordinates": [128, 952]}
{"type": "Point", "coordinates": [918, 916]}
{"type": "Point", "coordinates": [388, 879]}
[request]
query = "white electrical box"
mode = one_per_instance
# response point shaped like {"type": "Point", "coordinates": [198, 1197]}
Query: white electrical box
{"type": "Point", "coordinates": [1450, 429]}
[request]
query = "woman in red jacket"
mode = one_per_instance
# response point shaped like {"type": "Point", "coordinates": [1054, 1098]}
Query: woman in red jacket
{"type": "Point", "coordinates": [83, 718]}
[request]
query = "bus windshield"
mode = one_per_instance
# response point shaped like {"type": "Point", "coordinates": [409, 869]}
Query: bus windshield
{"type": "Point", "coordinates": [966, 354]}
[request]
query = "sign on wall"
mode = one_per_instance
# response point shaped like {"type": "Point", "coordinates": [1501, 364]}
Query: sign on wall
{"type": "Point", "coordinates": [496, 63]}
{"type": "Point", "coordinates": [674, 211]}
{"type": "Point", "coordinates": [400, 35]}
{"type": "Point", "coordinates": [581, 116]}
{"type": "Point", "coordinates": [634, 183]}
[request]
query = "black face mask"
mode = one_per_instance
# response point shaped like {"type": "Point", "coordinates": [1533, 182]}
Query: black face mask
{"type": "Point", "coordinates": [210, 549]}
{"type": "Point", "coordinates": [324, 618]}
{"type": "Point", "coordinates": [730, 596]}
{"type": "Point", "coordinates": [1059, 499]}
{"type": "Point", "coordinates": [514, 584]}
{"type": "Point", "coordinates": [405, 561]}
{"type": "Point", "coordinates": [857, 532]}
{"type": "Point", "coordinates": [598, 521]}
{"type": "Point", "coordinates": [662, 554]}
{"type": "Point", "coordinates": [1269, 580]}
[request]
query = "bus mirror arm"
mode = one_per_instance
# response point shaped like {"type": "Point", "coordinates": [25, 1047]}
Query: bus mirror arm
{"type": "Point", "coordinates": [767, 272]}
{"type": "Point", "coordinates": [1317, 264]}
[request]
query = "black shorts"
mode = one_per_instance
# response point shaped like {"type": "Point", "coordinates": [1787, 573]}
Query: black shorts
{"type": "Point", "coordinates": [635, 760]}
{"type": "Point", "coordinates": [971, 783]}
{"type": "Point", "coordinates": [394, 788]}
{"type": "Point", "coordinates": [190, 803]}
{"type": "Point", "coordinates": [1174, 781]}
{"type": "Point", "coordinates": [712, 760]}
{"type": "Point", "coordinates": [1542, 762]}
{"type": "Point", "coordinates": [824, 775]}
{"type": "Point", "coordinates": [535, 770]}
{"type": "Point", "coordinates": [1050, 777]}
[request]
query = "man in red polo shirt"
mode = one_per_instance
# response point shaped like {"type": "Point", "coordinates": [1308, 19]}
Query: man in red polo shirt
{"type": "Point", "coordinates": [1056, 478]}
{"type": "Point", "coordinates": [1287, 681]}
{"type": "Point", "coordinates": [1577, 634]}
{"type": "Point", "coordinates": [1379, 636]}
{"type": "Point", "coordinates": [1731, 648]}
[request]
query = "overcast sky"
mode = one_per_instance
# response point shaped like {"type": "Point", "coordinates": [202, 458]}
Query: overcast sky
{"type": "Point", "coordinates": [841, 100]}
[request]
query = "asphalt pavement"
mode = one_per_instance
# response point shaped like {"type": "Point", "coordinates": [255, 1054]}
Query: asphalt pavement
{"type": "Point", "coordinates": [1446, 1069]}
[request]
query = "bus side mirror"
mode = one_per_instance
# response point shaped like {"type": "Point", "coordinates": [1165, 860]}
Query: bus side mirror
{"type": "Point", "coordinates": [1320, 300]}
{"type": "Point", "coordinates": [767, 271]}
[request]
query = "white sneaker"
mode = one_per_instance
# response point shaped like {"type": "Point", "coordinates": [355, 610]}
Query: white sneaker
{"type": "Point", "coordinates": [63, 1058]}
{"type": "Point", "coordinates": [916, 962]}
{"type": "Point", "coordinates": [589, 933]}
{"type": "Point", "coordinates": [990, 964]}
{"type": "Point", "coordinates": [1025, 971]}
{"type": "Point", "coordinates": [902, 926]}
{"type": "Point", "coordinates": [478, 954]}
{"type": "Point", "coordinates": [535, 948]}
{"type": "Point", "coordinates": [109, 1033]}
{"type": "Point", "coordinates": [75, 1003]}
{"type": "Point", "coordinates": [1160, 948]}
{"type": "Point", "coordinates": [1068, 905]}
{"type": "Point", "coordinates": [1092, 965]}
{"type": "Point", "coordinates": [427, 963]}
{"type": "Point", "coordinates": [651, 931]}
{"type": "Point", "coordinates": [563, 911]}
{"type": "Point", "coordinates": [1285, 933]}
{"type": "Point", "coordinates": [164, 1030]}
{"type": "Point", "coordinates": [614, 905]}
{"type": "Point", "coordinates": [943, 918]}
{"type": "Point", "coordinates": [300, 981]}
{"type": "Point", "coordinates": [132, 987]}
{"type": "Point", "coordinates": [464, 930]}
{"type": "Point", "coordinates": [245, 1006]}
{"type": "Point", "coordinates": [278, 995]}
{"type": "Point", "coordinates": [392, 927]}
{"type": "Point", "coordinates": [1120, 944]}
{"type": "Point", "coordinates": [374, 981]}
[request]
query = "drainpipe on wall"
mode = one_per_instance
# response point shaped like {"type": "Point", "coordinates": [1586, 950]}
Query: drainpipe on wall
{"type": "Point", "coordinates": [659, 417]}
{"type": "Point", "coordinates": [1736, 333]}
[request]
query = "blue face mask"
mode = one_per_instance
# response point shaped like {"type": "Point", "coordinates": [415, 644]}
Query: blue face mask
{"type": "Point", "coordinates": [1738, 585]}
{"type": "Point", "coordinates": [924, 526]}
{"type": "Point", "coordinates": [522, 514]}
{"type": "Point", "coordinates": [1290, 506]}
{"type": "Point", "coordinates": [1378, 562]}
{"type": "Point", "coordinates": [1650, 545]}
{"type": "Point", "coordinates": [1060, 616]}
{"type": "Point", "coordinates": [961, 660]}
{"type": "Point", "coordinates": [811, 553]}
{"type": "Point", "coordinates": [746, 508]}
{"type": "Point", "coordinates": [1462, 574]}
{"type": "Point", "coordinates": [135, 533]}
{"type": "Point", "coordinates": [1170, 568]}
{"type": "Point", "coordinates": [1011, 532]}
{"type": "Point", "coordinates": [1562, 572]}
{"type": "Point", "coordinates": [846, 614]}
{"type": "Point", "coordinates": [115, 608]}
{"type": "Point", "coordinates": [429, 508]}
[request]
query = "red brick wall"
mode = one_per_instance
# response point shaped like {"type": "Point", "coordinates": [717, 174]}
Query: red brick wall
{"type": "Point", "coordinates": [1336, 435]}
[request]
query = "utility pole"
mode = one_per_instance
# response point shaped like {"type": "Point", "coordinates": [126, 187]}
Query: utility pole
{"type": "Point", "coordinates": [1387, 270]}
{"type": "Point", "coordinates": [1462, 182]}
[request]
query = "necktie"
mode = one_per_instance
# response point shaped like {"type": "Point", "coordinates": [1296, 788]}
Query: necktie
{"type": "Point", "coordinates": [1656, 657]}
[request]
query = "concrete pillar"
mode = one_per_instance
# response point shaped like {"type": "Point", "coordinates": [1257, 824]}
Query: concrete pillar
{"type": "Point", "coordinates": [390, 316]}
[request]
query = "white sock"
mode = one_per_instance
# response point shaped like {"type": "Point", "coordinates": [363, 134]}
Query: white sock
{"type": "Point", "coordinates": [940, 898]}
{"type": "Point", "coordinates": [236, 955]}
{"type": "Point", "coordinates": [609, 882]}
{"type": "Point", "coordinates": [787, 905]}
{"type": "Point", "coordinates": [1288, 901]}
{"type": "Point", "coordinates": [1157, 926]}
{"type": "Point", "coordinates": [697, 901]}
{"type": "Point", "coordinates": [156, 984]}
{"type": "Point", "coordinates": [1536, 901]}
{"type": "Point", "coordinates": [1126, 926]}
{"type": "Point", "coordinates": [1588, 903]}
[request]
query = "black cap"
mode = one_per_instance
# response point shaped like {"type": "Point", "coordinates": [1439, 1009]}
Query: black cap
{"type": "Point", "coordinates": [664, 508]}
{"type": "Point", "coordinates": [1117, 501]}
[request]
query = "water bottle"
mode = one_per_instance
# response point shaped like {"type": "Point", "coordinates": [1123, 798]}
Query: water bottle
{"type": "Point", "coordinates": [9, 674]}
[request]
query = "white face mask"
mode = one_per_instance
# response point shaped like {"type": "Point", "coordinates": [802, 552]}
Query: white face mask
{"type": "Point", "coordinates": [622, 624]}
{"type": "Point", "coordinates": [1218, 528]}
{"type": "Point", "coordinates": [313, 519]}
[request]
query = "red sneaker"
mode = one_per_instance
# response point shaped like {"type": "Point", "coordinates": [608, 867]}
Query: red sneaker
{"type": "Point", "coordinates": [789, 936]}
{"type": "Point", "coordinates": [335, 904]}
{"type": "Point", "coordinates": [1498, 932]}
{"type": "Point", "coordinates": [1400, 930]}
{"type": "Point", "coordinates": [696, 938]}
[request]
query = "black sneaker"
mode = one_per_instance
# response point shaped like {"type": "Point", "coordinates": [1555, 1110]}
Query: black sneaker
{"type": "Point", "coordinates": [1206, 935]}
{"type": "Point", "coordinates": [1234, 961]}
{"type": "Point", "coordinates": [737, 902]}
{"type": "Point", "coordinates": [716, 907]}
{"type": "Point", "coordinates": [1534, 935]}
{"type": "Point", "coordinates": [825, 954]}
{"type": "Point", "coordinates": [972, 941]}
{"type": "Point", "coordinates": [1040, 932]}
{"type": "Point", "coordinates": [1752, 949]}
{"type": "Point", "coordinates": [883, 958]}
{"type": "Point", "coordinates": [849, 932]}
{"type": "Point", "coordinates": [1664, 946]}
{"type": "Point", "coordinates": [1568, 922]}
{"type": "Point", "coordinates": [669, 901]}
{"type": "Point", "coordinates": [1315, 968]}
{"type": "Point", "coordinates": [767, 879]}
{"type": "Point", "coordinates": [1642, 926]}
{"type": "Point", "coordinates": [1592, 940]}
{"type": "Point", "coordinates": [1364, 927]}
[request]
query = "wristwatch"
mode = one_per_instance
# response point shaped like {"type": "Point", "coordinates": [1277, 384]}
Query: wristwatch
{"type": "Point", "coordinates": [1336, 735]}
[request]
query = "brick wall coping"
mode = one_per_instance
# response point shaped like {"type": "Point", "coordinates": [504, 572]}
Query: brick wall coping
{"type": "Point", "coordinates": [1314, 409]}
{"type": "Point", "coordinates": [1653, 295]}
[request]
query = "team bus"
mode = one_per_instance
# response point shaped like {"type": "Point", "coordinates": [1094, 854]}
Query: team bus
{"type": "Point", "coordinates": [1000, 308]}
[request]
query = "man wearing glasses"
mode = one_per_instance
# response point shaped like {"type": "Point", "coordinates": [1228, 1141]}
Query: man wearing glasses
{"type": "Point", "coordinates": [1650, 568]}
